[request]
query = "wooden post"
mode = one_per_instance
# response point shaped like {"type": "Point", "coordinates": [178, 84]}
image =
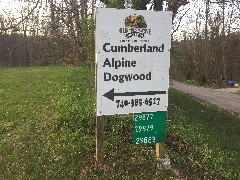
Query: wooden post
{"type": "Point", "coordinates": [160, 150]}
{"type": "Point", "coordinates": [99, 139]}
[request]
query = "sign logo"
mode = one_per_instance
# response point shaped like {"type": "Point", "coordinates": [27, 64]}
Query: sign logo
{"type": "Point", "coordinates": [135, 22]}
{"type": "Point", "coordinates": [135, 26]}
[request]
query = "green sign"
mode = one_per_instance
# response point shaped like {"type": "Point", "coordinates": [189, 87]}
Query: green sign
{"type": "Point", "coordinates": [149, 127]}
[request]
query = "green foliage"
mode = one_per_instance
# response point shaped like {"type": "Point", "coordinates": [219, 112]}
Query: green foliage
{"type": "Point", "coordinates": [119, 4]}
{"type": "Point", "coordinates": [88, 49]}
{"type": "Point", "coordinates": [139, 4]}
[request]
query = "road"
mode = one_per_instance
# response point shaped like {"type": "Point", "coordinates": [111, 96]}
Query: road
{"type": "Point", "coordinates": [219, 97]}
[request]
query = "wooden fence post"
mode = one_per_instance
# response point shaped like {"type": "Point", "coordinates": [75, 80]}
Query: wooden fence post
{"type": "Point", "coordinates": [160, 150]}
{"type": "Point", "coordinates": [99, 139]}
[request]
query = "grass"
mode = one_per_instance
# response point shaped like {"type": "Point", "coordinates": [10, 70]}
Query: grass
{"type": "Point", "coordinates": [47, 131]}
{"type": "Point", "coordinates": [204, 139]}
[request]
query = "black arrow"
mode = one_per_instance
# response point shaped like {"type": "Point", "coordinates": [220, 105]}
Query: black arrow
{"type": "Point", "coordinates": [110, 94]}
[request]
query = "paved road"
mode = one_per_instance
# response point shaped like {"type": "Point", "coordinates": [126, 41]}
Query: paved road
{"type": "Point", "coordinates": [218, 97]}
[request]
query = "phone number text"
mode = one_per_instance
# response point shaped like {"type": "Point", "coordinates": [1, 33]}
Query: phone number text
{"type": "Point", "coordinates": [137, 102]}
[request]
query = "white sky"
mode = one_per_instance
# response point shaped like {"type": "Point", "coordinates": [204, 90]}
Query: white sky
{"type": "Point", "coordinates": [188, 22]}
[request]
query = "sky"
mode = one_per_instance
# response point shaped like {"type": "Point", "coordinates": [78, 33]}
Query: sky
{"type": "Point", "coordinates": [11, 5]}
{"type": "Point", "coordinates": [188, 22]}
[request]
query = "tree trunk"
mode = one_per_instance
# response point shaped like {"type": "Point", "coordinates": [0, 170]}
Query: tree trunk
{"type": "Point", "coordinates": [158, 5]}
{"type": "Point", "coordinates": [26, 48]}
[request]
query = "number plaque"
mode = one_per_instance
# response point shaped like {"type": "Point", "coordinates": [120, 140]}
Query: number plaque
{"type": "Point", "coordinates": [149, 128]}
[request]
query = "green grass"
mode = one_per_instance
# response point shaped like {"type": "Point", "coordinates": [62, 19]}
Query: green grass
{"type": "Point", "coordinates": [203, 141]}
{"type": "Point", "coordinates": [47, 131]}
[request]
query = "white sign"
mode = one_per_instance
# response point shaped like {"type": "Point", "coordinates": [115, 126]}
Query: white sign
{"type": "Point", "coordinates": [132, 60]}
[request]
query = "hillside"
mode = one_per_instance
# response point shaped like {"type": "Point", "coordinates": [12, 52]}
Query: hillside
{"type": "Point", "coordinates": [47, 131]}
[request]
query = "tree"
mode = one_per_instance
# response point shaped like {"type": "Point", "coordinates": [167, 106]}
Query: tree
{"type": "Point", "coordinates": [70, 21]}
{"type": "Point", "coordinates": [156, 5]}
{"type": "Point", "coordinates": [210, 53]}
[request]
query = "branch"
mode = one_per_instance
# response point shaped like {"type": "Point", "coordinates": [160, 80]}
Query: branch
{"type": "Point", "coordinates": [24, 19]}
{"type": "Point", "coordinates": [180, 20]}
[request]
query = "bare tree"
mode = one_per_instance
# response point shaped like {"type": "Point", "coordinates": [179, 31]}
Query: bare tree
{"type": "Point", "coordinates": [212, 48]}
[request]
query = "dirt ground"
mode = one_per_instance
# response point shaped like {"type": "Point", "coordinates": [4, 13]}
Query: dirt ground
{"type": "Point", "coordinates": [227, 98]}
{"type": "Point", "coordinates": [232, 90]}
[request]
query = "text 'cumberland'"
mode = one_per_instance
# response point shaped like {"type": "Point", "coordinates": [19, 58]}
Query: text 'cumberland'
{"type": "Point", "coordinates": [107, 47]}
